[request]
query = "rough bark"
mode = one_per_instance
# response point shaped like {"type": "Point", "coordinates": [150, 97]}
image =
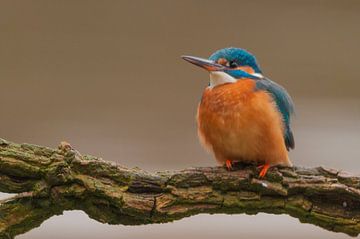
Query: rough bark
{"type": "Point", "coordinates": [50, 181]}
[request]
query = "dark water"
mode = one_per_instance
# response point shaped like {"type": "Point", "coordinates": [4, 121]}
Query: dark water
{"type": "Point", "coordinates": [106, 77]}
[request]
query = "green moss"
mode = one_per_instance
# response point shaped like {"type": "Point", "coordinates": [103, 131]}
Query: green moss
{"type": "Point", "coordinates": [235, 184]}
{"type": "Point", "coordinates": [58, 173]}
{"type": "Point", "coordinates": [267, 188]}
{"type": "Point", "coordinates": [298, 206]}
{"type": "Point", "coordinates": [38, 150]}
{"type": "Point", "coordinates": [73, 190]}
{"type": "Point", "coordinates": [18, 168]}
{"type": "Point", "coordinates": [351, 230]}
{"type": "Point", "coordinates": [4, 142]}
{"type": "Point", "coordinates": [186, 180]}
{"type": "Point", "coordinates": [273, 175]}
{"type": "Point", "coordinates": [89, 158]}
{"type": "Point", "coordinates": [327, 219]}
{"type": "Point", "coordinates": [238, 199]}
{"type": "Point", "coordinates": [197, 195]}
{"type": "Point", "coordinates": [10, 153]}
{"type": "Point", "coordinates": [22, 215]}
{"type": "Point", "coordinates": [103, 169]}
{"type": "Point", "coordinates": [40, 189]}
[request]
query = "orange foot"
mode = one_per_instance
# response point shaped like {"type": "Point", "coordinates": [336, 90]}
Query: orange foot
{"type": "Point", "coordinates": [264, 169]}
{"type": "Point", "coordinates": [228, 164]}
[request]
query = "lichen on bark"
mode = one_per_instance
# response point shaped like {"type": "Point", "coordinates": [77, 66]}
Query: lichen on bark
{"type": "Point", "coordinates": [53, 180]}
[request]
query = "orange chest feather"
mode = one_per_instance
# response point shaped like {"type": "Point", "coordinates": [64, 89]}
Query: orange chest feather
{"type": "Point", "coordinates": [238, 122]}
{"type": "Point", "coordinates": [236, 112]}
{"type": "Point", "coordinates": [229, 98]}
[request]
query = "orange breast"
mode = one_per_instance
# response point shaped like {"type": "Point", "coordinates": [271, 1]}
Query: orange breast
{"type": "Point", "coordinates": [241, 124]}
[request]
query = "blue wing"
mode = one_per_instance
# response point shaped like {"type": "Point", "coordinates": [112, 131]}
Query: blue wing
{"type": "Point", "coordinates": [284, 104]}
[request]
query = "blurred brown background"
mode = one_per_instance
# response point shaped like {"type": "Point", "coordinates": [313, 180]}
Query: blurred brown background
{"type": "Point", "coordinates": [107, 77]}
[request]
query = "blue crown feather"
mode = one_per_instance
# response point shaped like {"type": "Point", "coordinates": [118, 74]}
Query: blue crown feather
{"type": "Point", "coordinates": [240, 56]}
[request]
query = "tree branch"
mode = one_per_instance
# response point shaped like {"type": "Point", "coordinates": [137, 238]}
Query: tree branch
{"type": "Point", "coordinates": [52, 181]}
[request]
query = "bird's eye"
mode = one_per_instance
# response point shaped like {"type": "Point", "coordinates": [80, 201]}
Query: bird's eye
{"type": "Point", "coordinates": [233, 64]}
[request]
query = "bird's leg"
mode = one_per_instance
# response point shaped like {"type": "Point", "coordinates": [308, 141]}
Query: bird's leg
{"type": "Point", "coordinates": [264, 168]}
{"type": "Point", "coordinates": [228, 164]}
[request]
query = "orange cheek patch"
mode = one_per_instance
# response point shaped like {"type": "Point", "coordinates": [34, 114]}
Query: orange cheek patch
{"type": "Point", "coordinates": [247, 69]}
{"type": "Point", "coordinates": [222, 61]}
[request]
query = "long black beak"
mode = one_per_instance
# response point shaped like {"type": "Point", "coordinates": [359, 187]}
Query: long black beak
{"type": "Point", "coordinates": [204, 63]}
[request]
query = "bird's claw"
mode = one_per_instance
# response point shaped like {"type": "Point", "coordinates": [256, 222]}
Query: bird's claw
{"type": "Point", "coordinates": [228, 165]}
{"type": "Point", "coordinates": [264, 168]}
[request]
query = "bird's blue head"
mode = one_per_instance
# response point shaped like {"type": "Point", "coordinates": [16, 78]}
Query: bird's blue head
{"type": "Point", "coordinates": [236, 58]}
{"type": "Point", "coordinates": [228, 65]}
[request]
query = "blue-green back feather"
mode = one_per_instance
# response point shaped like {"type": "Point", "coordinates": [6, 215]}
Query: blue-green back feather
{"type": "Point", "coordinates": [284, 104]}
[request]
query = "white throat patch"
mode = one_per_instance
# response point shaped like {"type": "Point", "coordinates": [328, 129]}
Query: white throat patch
{"type": "Point", "coordinates": [219, 78]}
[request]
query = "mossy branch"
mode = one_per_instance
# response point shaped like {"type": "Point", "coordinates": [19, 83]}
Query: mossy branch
{"type": "Point", "coordinates": [53, 180]}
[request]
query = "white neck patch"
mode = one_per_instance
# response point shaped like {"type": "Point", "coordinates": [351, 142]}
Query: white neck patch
{"type": "Point", "coordinates": [219, 78]}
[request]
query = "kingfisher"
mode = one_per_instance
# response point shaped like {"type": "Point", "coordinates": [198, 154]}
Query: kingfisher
{"type": "Point", "coordinates": [243, 116]}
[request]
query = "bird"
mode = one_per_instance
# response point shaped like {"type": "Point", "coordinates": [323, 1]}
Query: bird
{"type": "Point", "coordinates": [243, 116]}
